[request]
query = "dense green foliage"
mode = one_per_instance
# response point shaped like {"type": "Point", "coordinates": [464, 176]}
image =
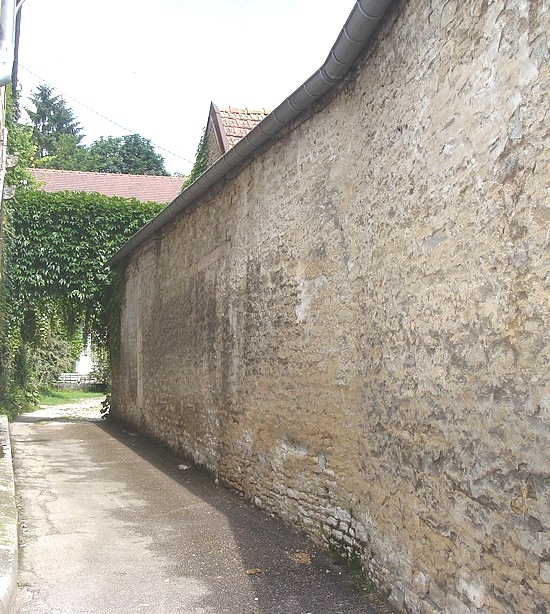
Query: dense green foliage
{"type": "Point", "coordinates": [59, 246]}
{"type": "Point", "coordinates": [69, 155]}
{"type": "Point", "coordinates": [15, 371]}
{"type": "Point", "coordinates": [201, 161]}
{"type": "Point", "coordinates": [57, 137]}
{"type": "Point", "coordinates": [51, 120]}
{"type": "Point", "coordinates": [56, 280]}
{"type": "Point", "coordinates": [55, 287]}
{"type": "Point", "coordinates": [19, 142]}
{"type": "Point", "coordinates": [130, 154]}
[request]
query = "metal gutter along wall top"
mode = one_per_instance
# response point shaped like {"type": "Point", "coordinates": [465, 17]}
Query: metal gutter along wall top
{"type": "Point", "coordinates": [356, 32]}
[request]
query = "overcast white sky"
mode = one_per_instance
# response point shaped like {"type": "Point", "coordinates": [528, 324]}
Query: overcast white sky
{"type": "Point", "coordinates": [153, 67]}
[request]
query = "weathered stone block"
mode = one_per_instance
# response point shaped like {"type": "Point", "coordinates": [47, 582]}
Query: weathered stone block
{"type": "Point", "coordinates": [353, 330]}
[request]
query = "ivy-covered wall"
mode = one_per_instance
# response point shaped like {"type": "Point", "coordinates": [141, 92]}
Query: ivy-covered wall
{"type": "Point", "coordinates": [55, 280]}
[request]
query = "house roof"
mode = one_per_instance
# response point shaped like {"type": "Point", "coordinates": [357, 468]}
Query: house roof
{"type": "Point", "coordinates": [146, 188]}
{"type": "Point", "coordinates": [358, 29]}
{"type": "Point", "coordinates": [232, 124]}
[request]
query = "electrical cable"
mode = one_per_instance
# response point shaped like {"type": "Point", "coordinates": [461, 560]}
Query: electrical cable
{"type": "Point", "coordinates": [100, 114]}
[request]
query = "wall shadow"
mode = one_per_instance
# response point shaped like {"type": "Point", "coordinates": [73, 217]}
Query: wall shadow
{"type": "Point", "coordinates": [294, 576]}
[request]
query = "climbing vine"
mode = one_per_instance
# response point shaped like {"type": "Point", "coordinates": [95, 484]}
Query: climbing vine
{"type": "Point", "coordinates": [201, 161]}
{"type": "Point", "coordinates": [19, 142]}
{"type": "Point", "coordinates": [56, 278]}
{"type": "Point", "coordinates": [57, 252]}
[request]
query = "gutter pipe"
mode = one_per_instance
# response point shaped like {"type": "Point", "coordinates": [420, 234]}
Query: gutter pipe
{"type": "Point", "coordinates": [7, 40]}
{"type": "Point", "coordinates": [357, 30]}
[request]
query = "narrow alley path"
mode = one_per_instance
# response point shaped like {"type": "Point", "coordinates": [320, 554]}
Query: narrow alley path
{"type": "Point", "coordinates": [110, 523]}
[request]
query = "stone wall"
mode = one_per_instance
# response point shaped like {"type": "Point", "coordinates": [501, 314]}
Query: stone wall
{"type": "Point", "coordinates": [353, 330]}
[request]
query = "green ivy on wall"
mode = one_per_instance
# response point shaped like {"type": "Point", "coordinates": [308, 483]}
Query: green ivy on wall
{"type": "Point", "coordinates": [201, 162]}
{"type": "Point", "coordinates": [56, 278]}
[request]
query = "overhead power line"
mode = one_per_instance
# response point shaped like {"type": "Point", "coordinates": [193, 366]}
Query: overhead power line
{"type": "Point", "coordinates": [99, 114]}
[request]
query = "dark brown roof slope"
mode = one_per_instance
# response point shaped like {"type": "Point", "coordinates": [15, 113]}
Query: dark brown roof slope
{"type": "Point", "coordinates": [143, 187]}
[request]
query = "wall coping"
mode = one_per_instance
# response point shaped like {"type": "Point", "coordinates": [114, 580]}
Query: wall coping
{"type": "Point", "coordinates": [360, 25]}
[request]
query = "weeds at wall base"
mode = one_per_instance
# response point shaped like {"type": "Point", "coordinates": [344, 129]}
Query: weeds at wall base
{"type": "Point", "coordinates": [353, 564]}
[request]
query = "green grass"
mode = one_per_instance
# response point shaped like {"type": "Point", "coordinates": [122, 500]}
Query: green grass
{"type": "Point", "coordinates": [63, 397]}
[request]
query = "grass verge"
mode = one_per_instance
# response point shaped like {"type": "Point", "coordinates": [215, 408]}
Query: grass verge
{"type": "Point", "coordinates": [63, 397]}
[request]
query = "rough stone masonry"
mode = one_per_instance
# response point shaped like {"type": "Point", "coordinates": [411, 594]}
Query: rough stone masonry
{"type": "Point", "coordinates": [353, 329]}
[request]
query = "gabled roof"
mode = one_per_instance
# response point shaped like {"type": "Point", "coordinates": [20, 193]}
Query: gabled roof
{"type": "Point", "coordinates": [146, 188]}
{"type": "Point", "coordinates": [359, 27]}
{"type": "Point", "coordinates": [231, 124]}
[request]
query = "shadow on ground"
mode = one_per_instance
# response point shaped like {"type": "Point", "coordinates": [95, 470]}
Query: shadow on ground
{"type": "Point", "coordinates": [284, 571]}
{"type": "Point", "coordinates": [288, 573]}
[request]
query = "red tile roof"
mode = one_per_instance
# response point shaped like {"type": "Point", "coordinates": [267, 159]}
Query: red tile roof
{"type": "Point", "coordinates": [239, 122]}
{"type": "Point", "coordinates": [143, 187]}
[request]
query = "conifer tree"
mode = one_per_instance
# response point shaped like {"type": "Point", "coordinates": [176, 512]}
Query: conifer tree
{"type": "Point", "coordinates": [51, 120]}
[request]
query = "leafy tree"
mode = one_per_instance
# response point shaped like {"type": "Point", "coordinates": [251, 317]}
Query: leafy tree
{"type": "Point", "coordinates": [19, 142]}
{"type": "Point", "coordinates": [69, 155]}
{"type": "Point", "coordinates": [57, 136]}
{"type": "Point", "coordinates": [139, 156]}
{"type": "Point", "coordinates": [51, 119]}
{"type": "Point", "coordinates": [201, 161]}
{"type": "Point", "coordinates": [105, 155]}
{"type": "Point", "coordinates": [130, 154]}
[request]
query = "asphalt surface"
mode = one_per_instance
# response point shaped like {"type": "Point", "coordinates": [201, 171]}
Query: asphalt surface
{"type": "Point", "coordinates": [111, 523]}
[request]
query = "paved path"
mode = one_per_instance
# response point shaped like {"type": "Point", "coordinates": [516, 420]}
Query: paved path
{"type": "Point", "coordinates": [110, 524]}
